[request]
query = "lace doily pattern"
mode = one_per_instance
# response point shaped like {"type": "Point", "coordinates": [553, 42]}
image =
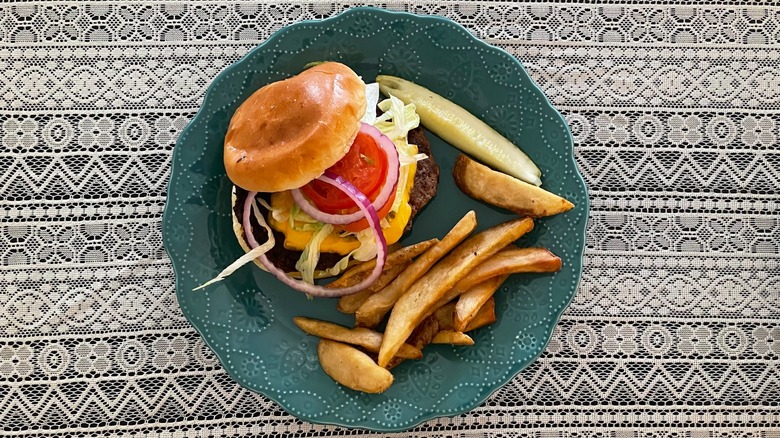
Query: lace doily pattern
{"type": "Point", "coordinates": [197, 21]}
{"type": "Point", "coordinates": [675, 111]}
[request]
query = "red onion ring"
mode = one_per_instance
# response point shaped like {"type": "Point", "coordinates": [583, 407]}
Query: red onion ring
{"type": "Point", "coordinates": [389, 187]}
{"type": "Point", "coordinates": [312, 289]}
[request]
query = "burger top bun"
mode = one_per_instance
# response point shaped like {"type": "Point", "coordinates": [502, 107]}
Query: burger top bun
{"type": "Point", "coordinates": [289, 132]}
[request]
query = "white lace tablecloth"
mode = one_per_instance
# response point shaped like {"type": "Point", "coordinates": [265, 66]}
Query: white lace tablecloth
{"type": "Point", "coordinates": [675, 111]}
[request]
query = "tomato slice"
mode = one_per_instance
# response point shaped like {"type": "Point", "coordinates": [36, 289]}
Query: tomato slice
{"type": "Point", "coordinates": [365, 166]}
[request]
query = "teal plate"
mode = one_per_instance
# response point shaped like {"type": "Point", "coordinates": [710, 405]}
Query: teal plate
{"type": "Point", "coordinates": [247, 319]}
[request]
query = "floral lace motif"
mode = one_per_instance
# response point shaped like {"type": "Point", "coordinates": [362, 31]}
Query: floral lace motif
{"type": "Point", "coordinates": [674, 111]}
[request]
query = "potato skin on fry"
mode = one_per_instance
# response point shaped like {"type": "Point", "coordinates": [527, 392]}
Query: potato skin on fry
{"type": "Point", "coordinates": [471, 301]}
{"type": "Point", "coordinates": [499, 189]}
{"type": "Point", "coordinates": [485, 316]}
{"type": "Point", "coordinates": [452, 337]}
{"type": "Point", "coordinates": [352, 368]}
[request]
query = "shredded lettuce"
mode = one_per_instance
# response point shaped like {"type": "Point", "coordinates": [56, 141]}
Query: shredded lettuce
{"type": "Point", "coordinates": [307, 264]}
{"type": "Point", "coordinates": [396, 121]}
{"type": "Point", "coordinates": [407, 160]}
{"type": "Point", "coordinates": [294, 210]}
{"type": "Point", "coordinates": [340, 266]}
{"type": "Point", "coordinates": [251, 255]}
{"type": "Point", "coordinates": [295, 217]}
{"type": "Point", "coordinates": [367, 249]}
{"type": "Point", "coordinates": [262, 202]}
{"type": "Point", "coordinates": [280, 214]}
{"type": "Point", "coordinates": [372, 97]}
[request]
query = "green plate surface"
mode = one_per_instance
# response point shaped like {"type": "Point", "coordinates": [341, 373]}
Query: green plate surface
{"type": "Point", "coordinates": [247, 319]}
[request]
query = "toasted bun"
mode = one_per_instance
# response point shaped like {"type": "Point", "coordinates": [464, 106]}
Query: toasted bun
{"type": "Point", "coordinates": [289, 132]}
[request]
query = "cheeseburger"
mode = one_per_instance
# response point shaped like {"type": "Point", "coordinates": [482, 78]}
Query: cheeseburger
{"type": "Point", "coordinates": [324, 175]}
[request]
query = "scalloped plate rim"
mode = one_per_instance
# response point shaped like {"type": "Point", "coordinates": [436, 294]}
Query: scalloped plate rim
{"type": "Point", "coordinates": [511, 372]}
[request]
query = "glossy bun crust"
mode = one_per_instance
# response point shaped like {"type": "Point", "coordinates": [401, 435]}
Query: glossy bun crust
{"type": "Point", "coordinates": [289, 132]}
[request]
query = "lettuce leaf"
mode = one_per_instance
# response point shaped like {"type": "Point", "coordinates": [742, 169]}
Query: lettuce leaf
{"type": "Point", "coordinates": [249, 256]}
{"type": "Point", "coordinates": [310, 256]}
{"type": "Point", "coordinates": [372, 97]}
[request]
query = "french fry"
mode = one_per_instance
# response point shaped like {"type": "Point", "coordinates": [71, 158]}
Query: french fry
{"type": "Point", "coordinates": [423, 333]}
{"type": "Point", "coordinates": [359, 272]}
{"type": "Point", "coordinates": [352, 368]}
{"type": "Point", "coordinates": [350, 303]}
{"type": "Point", "coordinates": [375, 307]}
{"type": "Point", "coordinates": [420, 337]}
{"type": "Point", "coordinates": [511, 260]}
{"type": "Point", "coordinates": [452, 337]}
{"type": "Point", "coordinates": [419, 301]}
{"type": "Point", "coordinates": [445, 315]}
{"type": "Point", "coordinates": [363, 337]}
{"type": "Point", "coordinates": [471, 301]}
{"type": "Point", "coordinates": [485, 316]}
{"type": "Point", "coordinates": [499, 189]}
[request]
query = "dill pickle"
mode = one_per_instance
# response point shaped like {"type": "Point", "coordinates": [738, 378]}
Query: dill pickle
{"type": "Point", "coordinates": [461, 129]}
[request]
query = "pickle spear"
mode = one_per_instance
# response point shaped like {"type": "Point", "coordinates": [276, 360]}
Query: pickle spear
{"type": "Point", "coordinates": [460, 128]}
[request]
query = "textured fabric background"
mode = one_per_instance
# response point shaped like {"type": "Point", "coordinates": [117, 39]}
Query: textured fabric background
{"type": "Point", "coordinates": [675, 111]}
